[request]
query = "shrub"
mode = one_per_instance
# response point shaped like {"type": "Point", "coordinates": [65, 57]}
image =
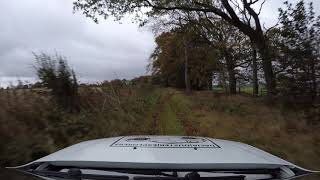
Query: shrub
{"type": "Point", "coordinates": [55, 74]}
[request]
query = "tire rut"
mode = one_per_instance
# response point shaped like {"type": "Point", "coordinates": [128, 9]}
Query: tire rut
{"type": "Point", "coordinates": [159, 108]}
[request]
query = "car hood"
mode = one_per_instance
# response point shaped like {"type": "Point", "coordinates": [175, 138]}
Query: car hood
{"type": "Point", "coordinates": [168, 152]}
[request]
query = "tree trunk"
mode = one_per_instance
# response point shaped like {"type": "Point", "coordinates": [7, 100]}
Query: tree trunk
{"type": "Point", "coordinates": [226, 89]}
{"type": "Point", "coordinates": [210, 85]}
{"type": "Point", "coordinates": [231, 72]}
{"type": "Point", "coordinates": [313, 80]}
{"type": "Point", "coordinates": [255, 82]}
{"type": "Point", "coordinates": [186, 67]}
{"type": "Point", "coordinates": [267, 69]}
{"type": "Point", "coordinates": [232, 81]}
{"type": "Point", "coordinates": [223, 81]}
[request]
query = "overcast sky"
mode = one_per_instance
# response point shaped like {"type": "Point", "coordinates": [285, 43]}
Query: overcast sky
{"type": "Point", "coordinates": [95, 51]}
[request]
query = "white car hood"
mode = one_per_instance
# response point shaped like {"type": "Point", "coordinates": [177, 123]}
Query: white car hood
{"type": "Point", "coordinates": [166, 152]}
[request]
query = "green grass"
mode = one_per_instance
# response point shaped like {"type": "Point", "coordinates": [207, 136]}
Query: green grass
{"type": "Point", "coordinates": [218, 90]}
{"type": "Point", "coordinates": [245, 89]}
{"type": "Point", "coordinates": [169, 122]}
{"type": "Point", "coordinates": [152, 99]}
{"type": "Point", "coordinates": [249, 90]}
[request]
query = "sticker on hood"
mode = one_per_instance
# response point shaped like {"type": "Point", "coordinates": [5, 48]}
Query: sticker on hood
{"type": "Point", "coordinates": [165, 142]}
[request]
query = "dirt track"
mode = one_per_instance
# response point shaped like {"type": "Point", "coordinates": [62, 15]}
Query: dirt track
{"type": "Point", "coordinates": [159, 108]}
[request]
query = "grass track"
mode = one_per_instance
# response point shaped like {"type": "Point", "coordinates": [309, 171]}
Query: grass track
{"type": "Point", "coordinates": [164, 119]}
{"type": "Point", "coordinates": [169, 122]}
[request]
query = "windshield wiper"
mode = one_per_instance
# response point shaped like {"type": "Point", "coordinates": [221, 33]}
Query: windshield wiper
{"type": "Point", "coordinates": [183, 178]}
{"type": "Point", "coordinates": [76, 174]}
{"type": "Point", "coordinates": [149, 172]}
{"type": "Point", "coordinates": [193, 176]}
{"type": "Point", "coordinates": [162, 175]}
{"type": "Point", "coordinates": [67, 172]}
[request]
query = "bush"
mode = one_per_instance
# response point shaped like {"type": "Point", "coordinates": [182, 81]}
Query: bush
{"type": "Point", "coordinates": [55, 74]}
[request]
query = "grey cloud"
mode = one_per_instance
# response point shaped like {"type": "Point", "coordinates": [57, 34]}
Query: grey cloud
{"type": "Point", "coordinates": [96, 51]}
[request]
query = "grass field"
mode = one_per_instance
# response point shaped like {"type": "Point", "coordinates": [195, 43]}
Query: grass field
{"type": "Point", "coordinates": [245, 90]}
{"type": "Point", "coordinates": [32, 127]}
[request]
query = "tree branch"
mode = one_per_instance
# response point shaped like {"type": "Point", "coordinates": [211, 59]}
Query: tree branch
{"type": "Point", "coordinates": [255, 16]}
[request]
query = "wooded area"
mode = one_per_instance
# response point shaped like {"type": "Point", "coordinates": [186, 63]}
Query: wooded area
{"type": "Point", "coordinates": [225, 42]}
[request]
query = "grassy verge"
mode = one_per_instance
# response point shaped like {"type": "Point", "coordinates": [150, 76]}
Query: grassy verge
{"type": "Point", "coordinates": [248, 120]}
